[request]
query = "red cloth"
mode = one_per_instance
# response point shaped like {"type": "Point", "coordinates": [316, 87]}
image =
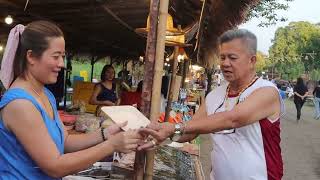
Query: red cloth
{"type": "Point", "coordinates": [271, 143]}
{"type": "Point", "coordinates": [130, 98]}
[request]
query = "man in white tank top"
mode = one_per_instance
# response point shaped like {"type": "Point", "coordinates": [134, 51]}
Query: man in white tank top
{"type": "Point", "coordinates": [242, 116]}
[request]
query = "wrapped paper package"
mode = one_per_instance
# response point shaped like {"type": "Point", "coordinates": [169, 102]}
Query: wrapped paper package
{"type": "Point", "coordinates": [120, 114]}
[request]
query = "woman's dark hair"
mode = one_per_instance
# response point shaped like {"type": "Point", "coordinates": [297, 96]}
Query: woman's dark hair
{"type": "Point", "coordinates": [300, 82]}
{"type": "Point", "coordinates": [103, 72]}
{"type": "Point", "coordinates": [35, 37]}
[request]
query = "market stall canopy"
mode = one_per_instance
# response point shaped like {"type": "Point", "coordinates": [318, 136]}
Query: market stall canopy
{"type": "Point", "coordinates": [105, 27]}
{"type": "Point", "coordinates": [97, 27]}
{"type": "Point", "coordinates": [217, 17]}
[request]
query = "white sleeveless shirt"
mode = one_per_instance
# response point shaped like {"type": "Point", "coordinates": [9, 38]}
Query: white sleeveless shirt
{"type": "Point", "coordinates": [250, 152]}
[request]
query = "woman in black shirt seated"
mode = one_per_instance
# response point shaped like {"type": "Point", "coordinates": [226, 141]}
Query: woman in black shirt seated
{"type": "Point", "coordinates": [104, 93]}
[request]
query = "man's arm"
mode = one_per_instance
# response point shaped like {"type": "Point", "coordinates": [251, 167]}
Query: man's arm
{"type": "Point", "coordinates": [262, 103]}
{"type": "Point", "coordinates": [200, 114]}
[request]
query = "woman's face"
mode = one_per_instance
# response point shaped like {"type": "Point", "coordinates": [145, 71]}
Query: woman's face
{"type": "Point", "coordinates": [109, 75]}
{"type": "Point", "coordinates": [47, 67]}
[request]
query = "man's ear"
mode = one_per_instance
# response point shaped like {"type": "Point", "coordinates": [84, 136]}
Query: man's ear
{"type": "Point", "coordinates": [30, 57]}
{"type": "Point", "coordinates": [253, 59]}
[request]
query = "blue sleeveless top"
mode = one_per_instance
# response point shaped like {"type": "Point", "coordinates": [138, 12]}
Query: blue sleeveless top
{"type": "Point", "coordinates": [15, 163]}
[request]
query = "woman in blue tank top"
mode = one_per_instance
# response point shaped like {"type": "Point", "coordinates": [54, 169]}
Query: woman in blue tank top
{"type": "Point", "coordinates": [34, 143]}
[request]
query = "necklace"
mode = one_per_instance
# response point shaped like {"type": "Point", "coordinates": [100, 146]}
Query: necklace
{"type": "Point", "coordinates": [42, 101]}
{"type": "Point", "coordinates": [226, 99]}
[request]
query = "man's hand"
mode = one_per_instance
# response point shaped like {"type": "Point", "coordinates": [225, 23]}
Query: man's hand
{"type": "Point", "coordinates": [159, 131]}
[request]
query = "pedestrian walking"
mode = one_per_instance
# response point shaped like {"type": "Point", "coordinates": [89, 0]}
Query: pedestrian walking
{"type": "Point", "coordinates": [316, 95]}
{"type": "Point", "coordinates": [300, 93]}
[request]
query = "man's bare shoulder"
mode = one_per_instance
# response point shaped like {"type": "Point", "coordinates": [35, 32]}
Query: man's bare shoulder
{"type": "Point", "coordinates": [268, 91]}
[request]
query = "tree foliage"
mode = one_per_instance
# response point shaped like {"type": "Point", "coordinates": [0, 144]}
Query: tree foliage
{"type": "Point", "coordinates": [266, 10]}
{"type": "Point", "coordinates": [296, 49]}
{"type": "Point", "coordinates": [261, 63]}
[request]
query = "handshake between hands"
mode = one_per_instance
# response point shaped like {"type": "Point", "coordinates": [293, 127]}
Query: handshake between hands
{"type": "Point", "coordinates": [140, 139]}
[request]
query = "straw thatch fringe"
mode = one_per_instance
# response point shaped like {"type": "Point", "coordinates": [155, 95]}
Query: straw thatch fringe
{"type": "Point", "coordinates": [218, 17]}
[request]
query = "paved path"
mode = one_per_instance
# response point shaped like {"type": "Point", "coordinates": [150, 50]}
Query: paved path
{"type": "Point", "coordinates": [300, 145]}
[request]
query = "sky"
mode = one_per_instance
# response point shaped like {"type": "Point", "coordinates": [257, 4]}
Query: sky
{"type": "Point", "coordinates": [299, 10]}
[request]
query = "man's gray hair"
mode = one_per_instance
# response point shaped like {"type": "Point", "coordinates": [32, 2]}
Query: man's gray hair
{"type": "Point", "coordinates": [246, 36]}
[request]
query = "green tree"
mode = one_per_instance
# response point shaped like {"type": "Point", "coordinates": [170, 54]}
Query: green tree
{"type": "Point", "coordinates": [266, 10]}
{"type": "Point", "coordinates": [296, 49]}
{"type": "Point", "coordinates": [261, 63]}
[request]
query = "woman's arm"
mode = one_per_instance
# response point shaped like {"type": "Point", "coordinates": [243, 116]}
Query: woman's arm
{"type": "Point", "coordinates": [77, 142]}
{"type": "Point", "coordinates": [30, 130]}
{"type": "Point", "coordinates": [93, 99]}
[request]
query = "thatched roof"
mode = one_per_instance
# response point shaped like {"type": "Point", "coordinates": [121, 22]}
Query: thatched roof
{"type": "Point", "coordinates": [104, 27]}
{"type": "Point", "coordinates": [219, 16]}
{"type": "Point", "coordinates": [98, 27]}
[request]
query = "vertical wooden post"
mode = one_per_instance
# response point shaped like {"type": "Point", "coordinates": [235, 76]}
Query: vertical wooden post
{"type": "Point", "coordinates": [67, 78]}
{"type": "Point", "coordinates": [157, 78]}
{"type": "Point", "coordinates": [184, 72]}
{"type": "Point", "coordinates": [92, 67]}
{"type": "Point", "coordinates": [148, 80]}
{"type": "Point", "coordinates": [172, 82]}
{"type": "Point", "coordinates": [209, 72]}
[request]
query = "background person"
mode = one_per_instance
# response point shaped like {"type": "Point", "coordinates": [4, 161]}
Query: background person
{"type": "Point", "coordinates": [300, 91]}
{"type": "Point", "coordinates": [316, 94]}
{"type": "Point", "coordinates": [104, 93]}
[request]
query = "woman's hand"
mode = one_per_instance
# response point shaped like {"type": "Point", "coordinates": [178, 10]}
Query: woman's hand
{"type": "Point", "coordinates": [108, 103]}
{"type": "Point", "coordinates": [126, 142]}
{"type": "Point", "coordinates": [114, 129]}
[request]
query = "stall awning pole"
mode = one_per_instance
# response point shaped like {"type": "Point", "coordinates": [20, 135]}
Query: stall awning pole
{"type": "Point", "coordinates": [184, 72]}
{"type": "Point", "coordinates": [92, 66]}
{"type": "Point", "coordinates": [172, 82]}
{"type": "Point", "coordinates": [139, 163]}
{"type": "Point", "coordinates": [157, 78]}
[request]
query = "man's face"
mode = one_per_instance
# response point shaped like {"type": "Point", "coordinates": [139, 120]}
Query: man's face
{"type": "Point", "coordinates": [236, 61]}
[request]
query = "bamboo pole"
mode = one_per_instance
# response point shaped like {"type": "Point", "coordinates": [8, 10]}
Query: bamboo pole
{"type": "Point", "coordinates": [172, 82]}
{"type": "Point", "coordinates": [92, 67]}
{"type": "Point", "coordinates": [157, 79]}
{"type": "Point", "coordinates": [209, 72]}
{"type": "Point", "coordinates": [184, 72]}
{"type": "Point", "coordinates": [147, 81]}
